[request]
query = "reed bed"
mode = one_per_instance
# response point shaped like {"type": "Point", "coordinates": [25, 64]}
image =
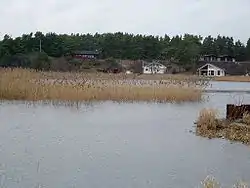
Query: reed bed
{"type": "Point", "coordinates": [210, 126]}
{"type": "Point", "coordinates": [246, 118]}
{"type": "Point", "coordinates": [211, 182]}
{"type": "Point", "coordinates": [208, 119]}
{"type": "Point", "coordinates": [233, 78]}
{"type": "Point", "coordinates": [20, 84]}
{"type": "Point", "coordinates": [178, 79]}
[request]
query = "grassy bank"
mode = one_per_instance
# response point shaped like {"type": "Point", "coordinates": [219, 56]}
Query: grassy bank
{"type": "Point", "coordinates": [20, 84]}
{"type": "Point", "coordinates": [233, 78]}
{"type": "Point", "coordinates": [209, 125]}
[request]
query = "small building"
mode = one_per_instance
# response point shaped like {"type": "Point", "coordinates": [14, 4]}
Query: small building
{"type": "Point", "coordinates": [212, 65]}
{"type": "Point", "coordinates": [210, 70]}
{"type": "Point", "coordinates": [154, 68]}
{"type": "Point", "coordinates": [208, 58]}
{"type": "Point", "coordinates": [214, 58]}
{"type": "Point", "coordinates": [222, 69]}
{"type": "Point", "coordinates": [225, 58]}
{"type": "Point", "coordinates": [84, 55]}
{"type": "Point", "coordinates": [173, 67]}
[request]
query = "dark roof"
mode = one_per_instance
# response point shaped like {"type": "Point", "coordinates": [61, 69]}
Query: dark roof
{"type": "Point", "coordinates": [213, 55]}
{"type": "Point", "coordinates": [86, 52]}
{"type": "Point", "coordinates": [231, 68]}
{"type": "Point", "coordinates": [209, 55]}
{"type": "Point", "coordinates": [226, 56]}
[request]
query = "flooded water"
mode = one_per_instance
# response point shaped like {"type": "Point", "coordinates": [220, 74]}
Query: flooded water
{"type": "Point", "coordinates": [230, 85]}
{"type": "Point", "coordinates": [113, 145]}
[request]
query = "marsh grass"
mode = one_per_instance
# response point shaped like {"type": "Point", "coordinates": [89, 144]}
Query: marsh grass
{"type": "Point", "coordinates": [208, 119]}
{"type": "Point", "coordinates": [20, 84]}
{"type": "Point", "coordinates": [210, 126]}
{"type": "Point", "coordinates": [211, 182]}
{"type": "Point", "coordinates": [246, 118]}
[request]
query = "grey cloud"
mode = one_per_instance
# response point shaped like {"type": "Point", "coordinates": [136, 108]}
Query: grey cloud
{"type": "Point", "coordinates": [225, 17]}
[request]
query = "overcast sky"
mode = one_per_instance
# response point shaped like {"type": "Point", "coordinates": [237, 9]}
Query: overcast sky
{"type": "Point", "coordinates": [157, 17]}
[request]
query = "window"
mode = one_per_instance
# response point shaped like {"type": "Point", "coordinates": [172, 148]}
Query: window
{"type": "Point", "coordinates": [218, 72]}
{"type": "Point", "coordinates": [212, 72]}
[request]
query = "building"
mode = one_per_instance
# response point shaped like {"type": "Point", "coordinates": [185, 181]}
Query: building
{"type": "Point", "coordinates": [210, 70]}
{"type": "Point", "coordinates": [208, 58]}
{"type": "Point", "coordinates": [154, 68]}
{"type": "Point", "coordinates": [86, 55]}
{"type": "Point", "coordinates": [211, 65]}
{"type": "Point", "coordinates": [173, 67]}
{"type": "Point", "coordinates": [226, 58]}
{"type": "Point", "coordinates": [134, 66]}
{"type": "Point", "coordinates": [214, 58]}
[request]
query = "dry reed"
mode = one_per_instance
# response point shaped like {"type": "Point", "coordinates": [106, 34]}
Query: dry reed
{"type": "Point", "coordinates": [208, 119]}
{"type": "Point", "coordinates": [20, 84]}
{"type": "Point", "coordinates": [246, 118]}
{"type": "Point", "coordinates": [211, 182]}
{"type": "Point", "coordinates": [208, 125]}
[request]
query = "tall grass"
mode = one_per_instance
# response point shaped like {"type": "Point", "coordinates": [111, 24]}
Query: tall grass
{"type": "Point", "coordinates": [246, 118]}
{"type": "Point", "coordinates": [211, 182]}
{"type": "Point", "coordinates": [208, 119]}
{"type": "Point", "coordinates": [209, 125]}
{"type": "Point", "coordinates": [20, 84]}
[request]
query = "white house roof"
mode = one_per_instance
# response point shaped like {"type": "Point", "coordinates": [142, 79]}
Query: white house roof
{"type": "Point", "coordinates": [210, 65]}
{"type": "Point", "coordinates": [155, 64]}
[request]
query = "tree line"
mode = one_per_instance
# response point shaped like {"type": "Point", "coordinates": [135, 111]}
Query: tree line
{"type": "Point", "coordinates": [185, 49]}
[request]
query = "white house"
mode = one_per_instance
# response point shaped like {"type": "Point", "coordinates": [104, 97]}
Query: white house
{"type": "Point", "coordinates": [154, 68]}
{"type": "Point", "coordinates": [210, 70]}
{"type": "Point", "coordinates": [129, 72]}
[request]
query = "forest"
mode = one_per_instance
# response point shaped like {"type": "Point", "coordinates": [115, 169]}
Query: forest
{"type": "Point", "coordinates": [24, 51]}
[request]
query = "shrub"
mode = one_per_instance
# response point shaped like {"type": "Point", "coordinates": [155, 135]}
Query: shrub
{"type": "Point", "coordinates": [208, 119]}
{"type": "Point", "coordinates": [246, 118]}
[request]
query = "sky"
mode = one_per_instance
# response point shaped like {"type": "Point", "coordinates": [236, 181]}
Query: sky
{"type": "Point", "coordinates": [151, 17]}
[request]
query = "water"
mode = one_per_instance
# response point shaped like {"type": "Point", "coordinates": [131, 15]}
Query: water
{"type": "Point", "coordinates": [112, 145]}
{"type": "Point", "coordinates": [230, 85]}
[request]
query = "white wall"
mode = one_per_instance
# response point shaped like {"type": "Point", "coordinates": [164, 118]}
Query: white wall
{"type": "Point", "coordinates": [154, 69]}
{"type": "Point", "coordinates": [216, 71]}
{"type": "Point", "coordinates": [147, 70]}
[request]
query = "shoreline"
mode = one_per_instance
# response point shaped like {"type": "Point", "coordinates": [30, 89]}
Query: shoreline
{"type": "Point", "coordinates": [232, 79]}
{"type": "Point", "coordinates": [226, 91]}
